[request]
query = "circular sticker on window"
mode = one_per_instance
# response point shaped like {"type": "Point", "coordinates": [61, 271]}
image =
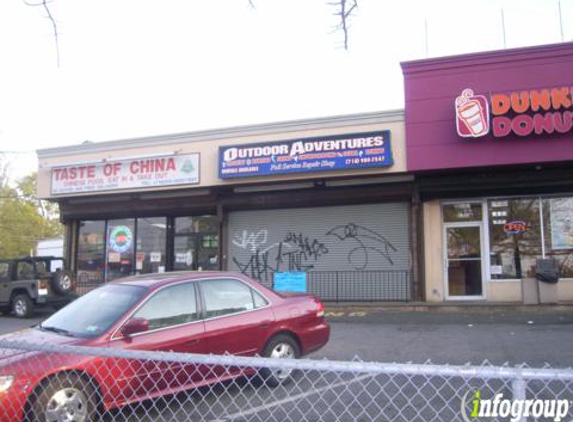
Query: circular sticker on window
{"type": "Point", "coordinates": [120, 239]}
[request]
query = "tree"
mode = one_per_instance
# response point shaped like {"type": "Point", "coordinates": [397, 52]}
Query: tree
{"type": "Point", "coordinates": [344, 11]}
{"type": "Point", "coordinates": [24, 219]}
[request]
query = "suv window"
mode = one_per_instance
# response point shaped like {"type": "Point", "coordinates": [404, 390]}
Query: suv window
{"type": "Point", "coordinates": [55, 265]}
{"type": "Point", "coordinates": [4, 270]}
{"type": "Point", "coordinates": [24, 270]}
{"type": "Point", "coordinates": [223, 297]}
{"type": "Point", "coordinates": [41, 267]}
{"type": "Point", "coordinates": [170, 306]}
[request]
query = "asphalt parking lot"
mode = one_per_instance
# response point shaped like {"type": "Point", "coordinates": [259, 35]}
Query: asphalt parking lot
{"type": "Point", "coordinates": [513, 335]}
{"type": "Point", "coordinates": [498, 335]}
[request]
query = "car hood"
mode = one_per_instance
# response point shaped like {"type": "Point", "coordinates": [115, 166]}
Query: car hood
{"type": "Point", "coordinates": [35, 336]}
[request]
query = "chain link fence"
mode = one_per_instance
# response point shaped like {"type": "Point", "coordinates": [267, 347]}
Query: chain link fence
{"type": "Point", "coordinates": [48, 382]}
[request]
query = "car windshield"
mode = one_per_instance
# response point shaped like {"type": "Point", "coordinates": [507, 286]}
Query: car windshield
{"type": "Point", "coordinates": [94, 313]}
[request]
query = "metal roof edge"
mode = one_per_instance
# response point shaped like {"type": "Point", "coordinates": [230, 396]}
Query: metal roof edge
{"type": "Point", "coordinates": [389, 116]}
{"type": "Point", "coordinates": [486, 57]}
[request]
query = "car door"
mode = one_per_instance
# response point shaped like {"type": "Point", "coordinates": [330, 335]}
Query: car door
{"type": "Point", "coordinates": [174, 326]}
{"type": "Point", "coordinates": [237, 318]}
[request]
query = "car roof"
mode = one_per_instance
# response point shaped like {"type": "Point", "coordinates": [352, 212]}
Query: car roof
{"type": "Point", "coordinates": [155, 280]}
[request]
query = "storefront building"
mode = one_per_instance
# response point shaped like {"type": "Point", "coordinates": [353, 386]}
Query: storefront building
{"type": "Point", "coordinates": [320, 205]}
{"type": "Point", "coordinates": [490, 142]}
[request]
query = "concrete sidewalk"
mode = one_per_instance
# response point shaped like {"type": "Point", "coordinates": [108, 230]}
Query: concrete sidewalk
{"type": "Point", "coordinates": [477, 307]}
{"type": "Point", "coordinates": [449, 313]}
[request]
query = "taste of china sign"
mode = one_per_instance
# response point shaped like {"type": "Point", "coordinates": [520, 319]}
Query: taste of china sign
{"type": "Point", "coordinates": [524, 113]}
{"type": "Point", "coordinates": [126, 174]}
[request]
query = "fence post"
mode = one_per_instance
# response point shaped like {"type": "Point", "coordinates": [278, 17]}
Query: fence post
{"type": "Point", "coordinates": [518, 389]}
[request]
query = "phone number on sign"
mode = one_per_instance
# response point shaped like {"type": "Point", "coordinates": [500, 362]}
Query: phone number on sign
{"type": "Point", "coordinates": [364, 160]}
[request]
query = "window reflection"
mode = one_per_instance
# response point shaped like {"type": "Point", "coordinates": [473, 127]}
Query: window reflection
{"type": "Point", "coordinates": [110, 249]}
{"type": "Point", "coordinates": [151, 245]}
{"type": "Point", "coordinates": [515, 237]}
{"type": "Point", "coordinates": [170, 306]}
{"type": "Point", "coordinates": [223, 297]}
{"type": "Point", "coordinates": [91, 249]}
{"type": "Point", "coordinates": [196, 243]}
{"type": "Point", "coordinates": [558, 227]}
{"type": "Point", "coordinates": [119, 255]}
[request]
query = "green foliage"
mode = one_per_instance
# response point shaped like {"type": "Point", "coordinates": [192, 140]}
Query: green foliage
{"type": "Point", "coordinates": [24, 219]}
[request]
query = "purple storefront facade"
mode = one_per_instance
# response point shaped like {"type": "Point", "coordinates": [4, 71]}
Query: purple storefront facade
{"type": "Point", "coordinates": [489, 137]}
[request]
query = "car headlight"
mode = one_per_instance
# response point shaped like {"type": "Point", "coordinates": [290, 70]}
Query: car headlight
{"type": "Point", "coordinates": [6, 382]}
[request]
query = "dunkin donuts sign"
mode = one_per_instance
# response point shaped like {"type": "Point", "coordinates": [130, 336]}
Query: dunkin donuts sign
{"type": "Point", "coordinates": [524, 113]}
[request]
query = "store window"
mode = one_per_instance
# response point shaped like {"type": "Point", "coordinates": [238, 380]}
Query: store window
{"type": "Point", "coordinates": [110, 249]}
{"type": "Point", "coordinates": [462, 212]}
{"type": "Point", "coordinates": [151, 245]}
{"type": "Point", "coordinates": [558, 231]}
{"type": "Point", "coordinates": [196, 243]}
{"type": "Point", "coordinates": [91, 253]}
{"type": "Point", "coordinates": [119, 255]}
{"type": "Point", "coordinates": [515, 237]}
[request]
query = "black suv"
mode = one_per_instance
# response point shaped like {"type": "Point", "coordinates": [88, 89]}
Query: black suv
{"type": "Point", "coordinates": [34, 281]}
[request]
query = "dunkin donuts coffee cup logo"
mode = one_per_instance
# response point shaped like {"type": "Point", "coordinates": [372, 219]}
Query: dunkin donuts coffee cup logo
{"type": "Point", "coordinates": [472, 115]}
{"type": "Point", "coordinates": [523, 113]}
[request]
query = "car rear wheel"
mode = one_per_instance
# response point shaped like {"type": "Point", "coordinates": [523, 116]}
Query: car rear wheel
{"type": "Point", "coordinates": [66, 398]}
{"type": "Point", "coordinates": [280, 347]}
{"type": "Point", "coordinates": [22, 306]}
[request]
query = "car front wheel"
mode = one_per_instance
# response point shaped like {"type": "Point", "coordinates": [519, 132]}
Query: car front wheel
{"type": "Point", "coordinates": [280, 347]}
{"type": "Point", "coordinates": [22, 306]}
{"type": "Point", "coordinates": [66, 398]}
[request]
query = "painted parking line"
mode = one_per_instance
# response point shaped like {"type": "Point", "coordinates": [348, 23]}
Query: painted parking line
{"type": "Point", "coordinates": [342, 314]}
{"type": "Point", "coordinates": [291, 399]}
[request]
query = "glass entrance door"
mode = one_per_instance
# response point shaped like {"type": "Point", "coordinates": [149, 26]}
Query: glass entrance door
{"type": "Point", "coordinates": [196, 243]}
{"type": "Point", "coordinates": [464, 273]}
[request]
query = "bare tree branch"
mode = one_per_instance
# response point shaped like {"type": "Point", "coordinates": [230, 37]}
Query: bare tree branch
{"type": "Point", "coordinates": [345, 10]}
{"type": "Point", "coordinates": [44, 5]}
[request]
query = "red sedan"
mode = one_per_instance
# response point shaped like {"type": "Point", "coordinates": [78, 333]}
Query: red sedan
{"type": "Point", "coordinates": [206, 312]}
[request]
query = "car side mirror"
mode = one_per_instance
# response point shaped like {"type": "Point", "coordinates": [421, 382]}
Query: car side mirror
{"type": "Point", "coordinates": [134, 326]}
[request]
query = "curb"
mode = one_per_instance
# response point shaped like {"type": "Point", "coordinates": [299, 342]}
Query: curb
{"type": "Point", "coordinates": [471, 307]}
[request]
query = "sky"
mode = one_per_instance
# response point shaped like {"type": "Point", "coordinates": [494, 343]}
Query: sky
{"type": "Point", "coordinates": [133, 68]}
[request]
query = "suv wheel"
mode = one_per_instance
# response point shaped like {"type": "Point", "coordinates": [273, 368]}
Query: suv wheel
{"type": "Point", "coordinates": [63, 282]}
{"type": "Point", "coordinates": [22, 306]}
